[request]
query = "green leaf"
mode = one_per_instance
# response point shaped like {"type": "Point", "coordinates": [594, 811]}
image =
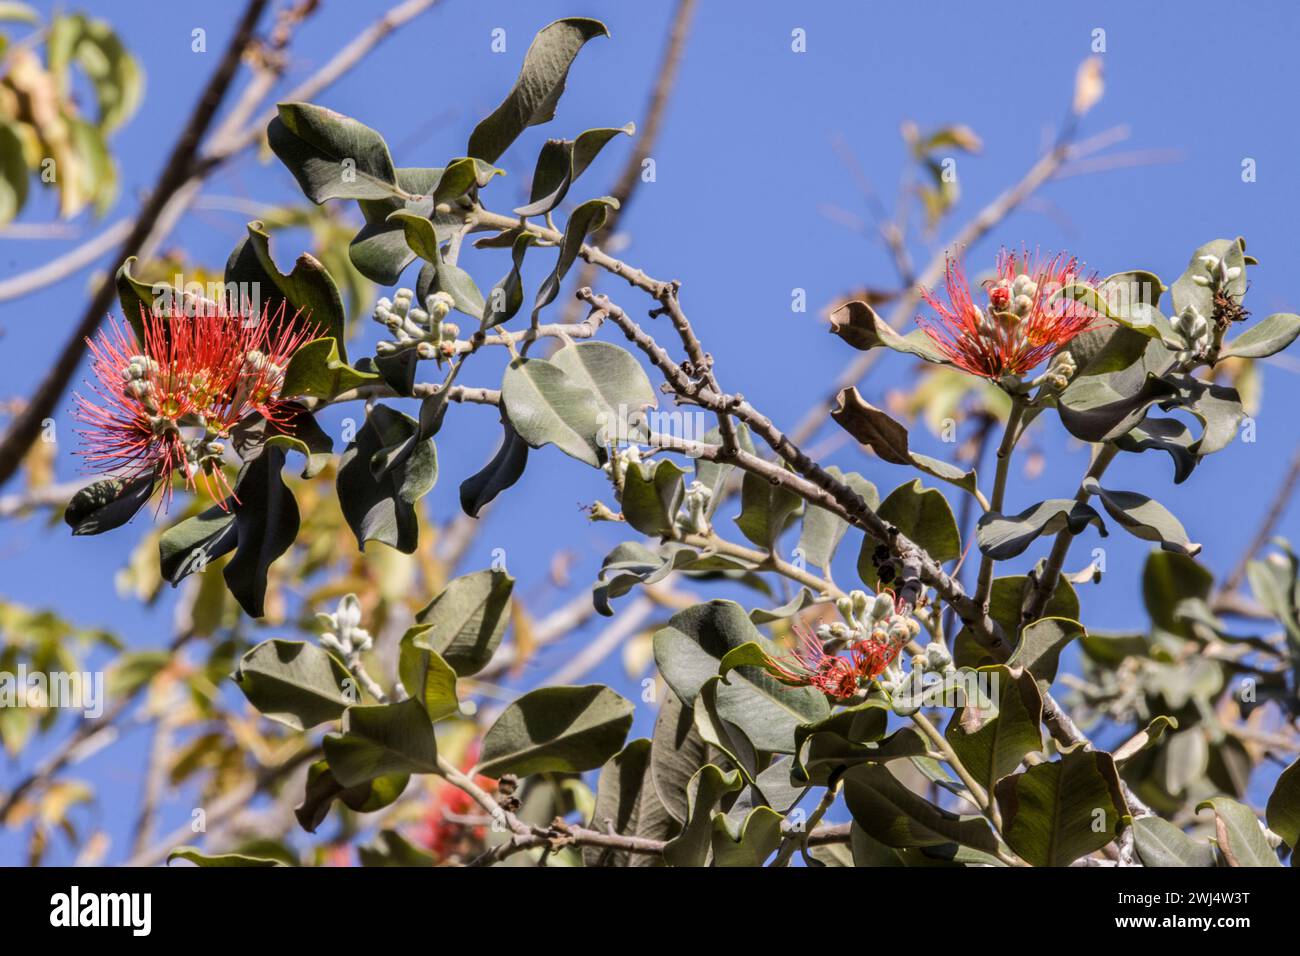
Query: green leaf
{"type": "Point", "coordinates": [1108, 347]}
{"type": "Point", "coordinates": [1094, 410]}
{"type": "Point", "coordinates": [92, 45]}
{"type": "Point", "coordinates": [895, 816]}
{"type": "Point", "coordinates": [1041, 643]}
{"type": "Point", "coordinates": [461, 175]}
{"type": "Point", "coordinates": [924, 516]}
{"type": "Point", "coordinates": [1159, 843]}
{"type": "Point", "coordinates": [586, 219]}
{"type": "Point", "coordinates": [993, 744]}
{"type": "Point", "coordinates": [1283, 811]}
{"type": "Point", "coordinates": [266, 525]}
{"type": "Point", "coordinates": [626, 803]}
{"type": "Point", "coordinates": [888, 439]}
{"type": "Point", "coordinates": [199, 858]}
{"type": "Point", "coordinates": [1134, 314]}
{"type": "Point", "coordinates": [632, 563]}
{"type": "Point", "coordinates": [422, 237]}
{"type": "Point", "coordinates": [380, 251]}
{"type": "Point", "coordinates": [652, 496]}
{"type": "Point", "coordinates": [1273, 582]}
{"type": "Point", "coordinates": [1217, 407]}
{"type": "Point", "coordinates": [331, 155]}
{"type": "Point", "coordinates": [748, 844]}
{"type": "Point", "coordinates": [382, 739]}
{"type": "Point", "coordinates": [191, 545]}
{"type": "Point", "coordinates": [618, 381]}
{"type": "Point", "coordinates": [690, 650]}
{"type": "Point", "coordinates": [857, 324]}
{"type": "Point", "coordinates": [506, 297]}
{"type": "Point", "coordinates": [1238, 833]}
{"type": "Point", "coordinates": [1144, 518]}
{"type": "Point", "coordinates": [556, 730]}
{"type": "Point", "coordinates": [1168, 578]}
{"type": "Point", "coordinates": [548, 407]}
{"type": "Point", "coordinates": [872, 427]}
{"type": "Point", "coordinates": [466, 621]}
{"type": "Point", "coordinates": [505, 468]}
{"type": "Point", "coordinates": [706, 788]}
{"type": "Point", "coordinates": [1054, 813]}
{"type": "Point", "coordinates": [384, 509]}
{"type": "Point", "coordinates": [803, 599]}
{"type": "Point", "coordinates": [107, 504]}
{"type": "Point", "coordinates": [426, 677]}
{"type": "Point", "coordinates": [1002, 537]}
{"type": "Point", "coordinates": [135, 297]}
{"type": "Point", "coordinates": [309, 289]}
{"type": "Point", "coordinates": [1007, 601]}
{"type": "Point", "coordinates": [560, 163]}
{"type": "Point", "coordinates": [317, 371]}
{"type": "Point", "coordinates": [1264, 338]}
{"type": "Point", "coordinates": [296, 684]}
{"type": "Point", "coordinates": [1144, 739]}
{"type": "Point", "coordinates": [538, 87]}
{"type": "Point", "coordinates": [298, 430]}
{"type": "Point", "coordinates": [766, 510]}
{"type": "Point", "coordinates": [822, 531]}
{"type": "Point", "coordinates": [433, 409]}
{"type": "Point", "coordinates": [1163, 434]}
{"type": "Point", "coordinates": [322, 789]}
{"type": "Point", "coordinates": [827, 748]}
{"type": "Point", "coordinates": [676, 753]}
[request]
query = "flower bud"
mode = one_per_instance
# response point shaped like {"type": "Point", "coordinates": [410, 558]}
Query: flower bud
{"type": "Point", "coordinates": [439, 304]}
{"type": "Point", "coordinates": [845, 606]}
{"type": "Point", "coordinates": [937, 657]}
{"type": "Point", "coordinates": [1000, 295]}
{"type": "Point", "coordinates": [899, 632]}
{"type": "Point", "coordinates": [859, 599]}
{"type": "Point", "coordinates": [883, 607]}
{"type": "Point", "coordinates": [1024, 286]}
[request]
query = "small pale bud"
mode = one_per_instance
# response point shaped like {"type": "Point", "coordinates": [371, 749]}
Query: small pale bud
{"type": "Point", "coordinates": [882, 608]}
{"type": "Point", "coordinates": [1023, 285]}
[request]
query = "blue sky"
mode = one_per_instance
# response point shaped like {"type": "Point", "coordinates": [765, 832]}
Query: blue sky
{"type": "Point", "coordinates": [744, 167]}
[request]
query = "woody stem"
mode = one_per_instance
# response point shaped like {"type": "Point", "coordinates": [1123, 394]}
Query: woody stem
{"type": "Point", "coordinates": [1009, 437]}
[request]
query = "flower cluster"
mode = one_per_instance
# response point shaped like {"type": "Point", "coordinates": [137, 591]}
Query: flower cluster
{"type": "Point", "coordinates": [425, 329]}
{"type": "Point", "coordinates": [873, 637]}
{"type": "Point", "coordinates": [165, 405]}
{"type": "Point", "coordinates": [1021, 326]}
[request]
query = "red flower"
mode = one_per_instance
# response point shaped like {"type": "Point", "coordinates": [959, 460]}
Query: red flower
{"type": "Point", "coordinates": [1021, 327]}
{"type": "Point", "coordinates": [164, 407]}
{"type": "Point", "coordinates": [874, 654]}
{"type": "Point", "coordinates": [811, 666]}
